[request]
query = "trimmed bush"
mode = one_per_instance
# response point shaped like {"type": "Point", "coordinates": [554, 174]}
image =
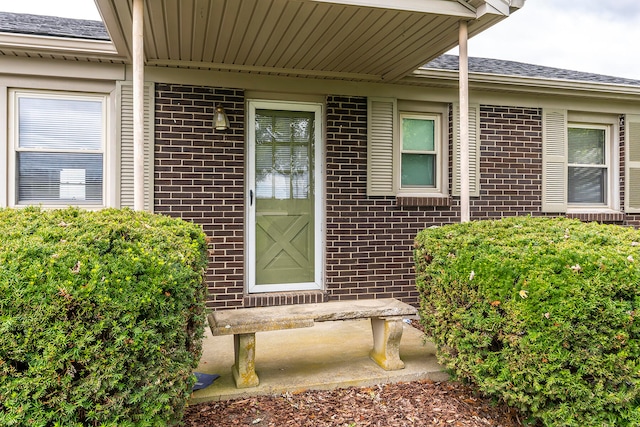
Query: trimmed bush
{"type": "Point", "coordinates": [543, 313]}
{"type": "Point", "coordinates": [101, 317]}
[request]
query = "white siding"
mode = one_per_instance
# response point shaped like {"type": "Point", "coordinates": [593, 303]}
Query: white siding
{"type": "Point", "coordinates": [381, 122]}
{"type": "Point", "coordinates": [474, 150]}
{"type": "Point", "coordinates": [554, 161]}
{"type": "Point", "coordinates": [125, 124]}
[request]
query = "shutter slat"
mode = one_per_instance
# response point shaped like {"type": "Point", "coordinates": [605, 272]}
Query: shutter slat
{"type": "Point", "coordinates": [126, 145]}
{"type": "Point", "coordinates": [380, 120]}
{"type": "Point", "coordinates": [474, 150]}
{"type": "Point", "coordinates": [632, 181]}
{"type": "Point", "coordinates": [554, 161]}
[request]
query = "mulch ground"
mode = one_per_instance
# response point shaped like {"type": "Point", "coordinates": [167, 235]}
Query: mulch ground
{"type": "Point", "coordinates": [419, 403]}
{"type": "Point", "coordinates": [413, 404]}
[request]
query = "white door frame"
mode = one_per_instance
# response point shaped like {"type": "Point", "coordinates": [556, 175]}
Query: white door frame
{"type": "Point", "coordinates": [318, 177]}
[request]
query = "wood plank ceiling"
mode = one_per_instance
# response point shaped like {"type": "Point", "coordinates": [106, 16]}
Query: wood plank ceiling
{"type": "Point", "coordinates": [322, 39]}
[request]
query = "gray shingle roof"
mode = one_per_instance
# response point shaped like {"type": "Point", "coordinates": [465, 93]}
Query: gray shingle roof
{"type": "Point", "coordinates": [511, 68]}
{"type": "Point", "coordinates": [21, 23]}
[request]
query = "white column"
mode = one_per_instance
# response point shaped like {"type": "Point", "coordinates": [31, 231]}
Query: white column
{"type": "Point", "coordinates": [464, 123]}
{"type": "Point", "coordinates": [138, 105]}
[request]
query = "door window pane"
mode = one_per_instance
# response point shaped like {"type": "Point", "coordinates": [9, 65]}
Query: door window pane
{"type": "Point", "coordinates": [284, 143]}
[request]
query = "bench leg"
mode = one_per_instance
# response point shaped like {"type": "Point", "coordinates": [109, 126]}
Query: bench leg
{"type": "Point", "coordinates": [387, 333]}
{"type": "Point", "coordinates": [244, 369]}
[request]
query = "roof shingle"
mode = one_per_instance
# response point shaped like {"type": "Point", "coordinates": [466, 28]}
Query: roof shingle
{"type": "Point", "coordinates": [21, 23]}
{"type": "Point", "coordinates": [512, 68]}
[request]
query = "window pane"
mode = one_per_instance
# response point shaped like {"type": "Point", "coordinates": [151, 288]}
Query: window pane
{"type": "Point", "coordinates": [70, 124]}
{"type": "Point", "coordinates": [284, 142]}
{"type": "Point", "coordinates": [586, 146]}
{"type": "Point", "coordinates": [587, 185]}
{"type": "Point", "coordinates": [64, 178]}
{"type": "Point", "coordinates": [282, 171]}
{"type": "Point", "coordinates": [418, 134]}
{"type": "Point", "coordinates": [300, 172]}
{"type": "Point", "coordinates": [418, 170]}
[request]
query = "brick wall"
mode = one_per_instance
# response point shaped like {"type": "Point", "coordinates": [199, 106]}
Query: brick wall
{"type": "Point", "coordinates": [510, 162]}
{"type": "Point", "coordinates": [369, 240]}
{"type": "Point", "coordinates": [199, 176]}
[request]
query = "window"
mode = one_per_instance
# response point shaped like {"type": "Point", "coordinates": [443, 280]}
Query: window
{"type": "Point", "coordinates": [58, 146]}
{"type": "Point", "coordinates": [588, 165]}
{"type": "Point", "coordinates": [419, 152]}
{"type": "Point", "coordinates": [408, 150]}
{"type": "Point", "coordinates": [581, 162]}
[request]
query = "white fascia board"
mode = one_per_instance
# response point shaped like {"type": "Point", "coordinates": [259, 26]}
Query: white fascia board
{"type": "Point", "coordinates": [494, 7]}
{"type": "Point", "coordinates": [119, 36]}
{"type": "Point", "coordinates": [439, 7]}
{"type": "Point", "coordinates": [47, 44]}
{"type": "Point", "coordinates": [40, 67]}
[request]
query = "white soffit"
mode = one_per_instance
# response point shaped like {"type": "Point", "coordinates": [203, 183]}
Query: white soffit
{"type": "Point", "coordinates": [361, 40]}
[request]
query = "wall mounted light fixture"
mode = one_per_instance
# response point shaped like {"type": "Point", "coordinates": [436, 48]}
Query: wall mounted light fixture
{"type": "Point", "coordinates": [220, 119]}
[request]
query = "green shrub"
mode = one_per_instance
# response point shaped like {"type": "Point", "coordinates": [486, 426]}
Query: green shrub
{"type": "Point", "coordinates": [101, 317]}
{"type": "Point", "coordinates": [543, 313]}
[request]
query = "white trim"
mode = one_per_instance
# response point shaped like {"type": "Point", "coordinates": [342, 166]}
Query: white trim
{"type": "Point", "coordinates": [12, 147]}
{"type": "Point", "coordinates": [502, 91]}
{"type": "Point", "coordinates": [264, 69]}
{"type": "Point", "coordinates": [4, 145]}
{"type": "Point", "coordinates": [319, 203]}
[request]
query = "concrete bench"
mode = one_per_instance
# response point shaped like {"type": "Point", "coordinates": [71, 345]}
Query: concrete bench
{"type": "Point", "coordinates": [386, 322]}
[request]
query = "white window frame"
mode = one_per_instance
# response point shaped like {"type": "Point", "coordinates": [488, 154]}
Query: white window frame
{"type": "Point", "coordinates": [612, 163]}
{"type": "Point", "coordinates": [437, 151]}
{"type": "Point", "coordinates": [13, 147]}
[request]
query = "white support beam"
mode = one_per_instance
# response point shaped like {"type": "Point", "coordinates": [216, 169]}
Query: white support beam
{"type": "Point", "coordinates": [465, 214]}
{"type": "Point", "coordinates": [138, 105]}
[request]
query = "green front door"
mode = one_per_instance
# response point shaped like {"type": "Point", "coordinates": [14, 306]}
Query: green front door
{"type": "Point", "coordinates": [283, 200]}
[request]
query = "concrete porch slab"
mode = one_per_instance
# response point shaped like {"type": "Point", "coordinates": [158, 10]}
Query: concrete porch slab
{"type": "Point", "coordinates": [326, 356]}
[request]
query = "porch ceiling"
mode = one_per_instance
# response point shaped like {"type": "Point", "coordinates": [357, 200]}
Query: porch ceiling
{"type": "Point", "coordinates": [346, 39]}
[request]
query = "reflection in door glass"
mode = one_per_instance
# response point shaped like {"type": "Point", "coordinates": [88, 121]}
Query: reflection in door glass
{"type": "Point", "coordinates": [284, 143]}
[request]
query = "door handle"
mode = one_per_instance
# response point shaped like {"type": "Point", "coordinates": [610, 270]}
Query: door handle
{"type": "Point", "coordinates": [250, 197]}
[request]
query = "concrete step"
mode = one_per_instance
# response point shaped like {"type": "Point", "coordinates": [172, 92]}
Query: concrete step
{"type": "Point", "coordinates": [326, 356]}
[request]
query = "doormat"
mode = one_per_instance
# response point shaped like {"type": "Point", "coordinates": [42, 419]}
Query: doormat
{"type": "Point", "coordinates": [204, 380]}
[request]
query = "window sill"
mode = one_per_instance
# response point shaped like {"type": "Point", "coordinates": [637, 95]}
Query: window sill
{"type": "Point", "coordinates": [414, 200]}
{"type": "Point", "coordinates": [605, 216]}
